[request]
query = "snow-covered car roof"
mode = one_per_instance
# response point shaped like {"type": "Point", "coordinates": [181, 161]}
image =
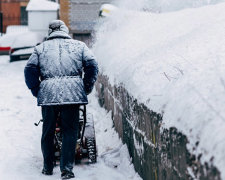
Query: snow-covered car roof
{"type": "Point", "coordinates": [23, 51]}
{"type": "Point", "coordinates": [23, 39]}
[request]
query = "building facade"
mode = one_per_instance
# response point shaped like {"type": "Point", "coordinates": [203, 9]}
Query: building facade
{"type": "Point", "coordinates": [13, 12]}
{"type": "Point", "coordinates": [81, 16]}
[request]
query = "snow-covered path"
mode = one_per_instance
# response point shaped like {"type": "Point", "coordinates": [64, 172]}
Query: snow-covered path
{"type": "Point", "coordinates": [20, 153]}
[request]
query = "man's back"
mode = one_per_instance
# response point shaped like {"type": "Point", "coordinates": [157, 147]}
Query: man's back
{"type": "Point", "coordinates": [54, 75]}
{"type": "Point", "coordinates": [60, 57]}
{"type": "Point", "coordinates": [59, 63]}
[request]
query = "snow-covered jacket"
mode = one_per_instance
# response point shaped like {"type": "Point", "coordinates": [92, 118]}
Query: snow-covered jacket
{"type": "Point", "coordinates": [55, 69]}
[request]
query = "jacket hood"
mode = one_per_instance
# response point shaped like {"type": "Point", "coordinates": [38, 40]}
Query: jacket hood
{"type": "Point", "coordinates": [58, 29]}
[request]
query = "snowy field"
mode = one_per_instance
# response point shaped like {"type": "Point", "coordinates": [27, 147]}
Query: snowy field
{"type": "Point", "coordinates": [20, 152]}
{"type": "Point", "coordinates": [174, 63]}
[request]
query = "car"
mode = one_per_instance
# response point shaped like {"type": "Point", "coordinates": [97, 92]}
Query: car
{"type": "Point", "coordinates": [22, 53]}
{"type": "Point", "coordinates": [4, 50]}
{"type": "Point", "coordinates": [19, 42]}
{"type": "Point", "coordinates": [8, 39]}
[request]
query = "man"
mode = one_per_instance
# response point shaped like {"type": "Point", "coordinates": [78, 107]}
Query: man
{"type": "Point", "coordinates": [54, 75]}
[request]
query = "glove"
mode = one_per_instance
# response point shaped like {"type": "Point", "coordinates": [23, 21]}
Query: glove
{"type": "Point", "coordinates": [34, 91]}
{"type": "Point", "coordinates": [88, 89]}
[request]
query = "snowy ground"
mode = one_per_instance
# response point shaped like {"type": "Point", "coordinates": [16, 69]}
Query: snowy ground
{"type": "Point", "coordinates": [20, 153]}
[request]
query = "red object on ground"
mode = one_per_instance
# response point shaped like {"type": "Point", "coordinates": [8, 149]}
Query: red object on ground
{"type": "Point", "coordinates": [5, 48]}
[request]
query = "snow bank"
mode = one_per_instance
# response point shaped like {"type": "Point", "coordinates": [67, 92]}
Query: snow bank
{"type": "Point", "coordinates": [173, 63]}
{"type": "Point", "coordinates": [163, 5]}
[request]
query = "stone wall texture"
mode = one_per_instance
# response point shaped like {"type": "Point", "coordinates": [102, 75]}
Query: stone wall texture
{"type": "Point", "coordinates": [156, 154]}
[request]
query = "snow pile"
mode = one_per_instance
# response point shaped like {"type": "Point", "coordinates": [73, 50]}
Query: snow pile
{"type": "Point", "coordinates": [42, 5]}
{"type": "Point", "coordinates": [173, 63]}
{"type": "Point", "coordinates": [163, 5]}
{"type": "Point", "coordinates": [20, 148]}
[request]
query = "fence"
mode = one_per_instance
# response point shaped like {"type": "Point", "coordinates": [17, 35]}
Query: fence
{"type": "Point", "coordinates": [10, 20]}
{"type": "Point", "coordinates": [157, 154]}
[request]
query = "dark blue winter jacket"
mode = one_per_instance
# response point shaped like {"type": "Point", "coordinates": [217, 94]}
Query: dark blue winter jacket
{"type": "Point", "coordinates": [54, 72]}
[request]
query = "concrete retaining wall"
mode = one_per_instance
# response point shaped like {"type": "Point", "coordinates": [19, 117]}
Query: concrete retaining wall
{"type": "Point", "coordinates": [156, 155]}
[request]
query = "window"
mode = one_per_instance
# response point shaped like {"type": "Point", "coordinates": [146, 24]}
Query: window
{"type": "Point", "coordinates": [23, 15]}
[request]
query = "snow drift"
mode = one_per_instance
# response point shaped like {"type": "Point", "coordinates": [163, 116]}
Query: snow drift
{"type": "Point", "coordinates": [163, 5]}
{"type": "Point", "coordinates": [173, 63]}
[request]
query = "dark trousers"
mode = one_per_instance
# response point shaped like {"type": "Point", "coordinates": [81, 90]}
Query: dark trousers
{"type": "Point", "coordinates": [69, 115]}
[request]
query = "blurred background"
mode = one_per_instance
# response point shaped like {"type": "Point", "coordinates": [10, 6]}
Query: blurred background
{"type": "Point", "coordinates": [79, 15]}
